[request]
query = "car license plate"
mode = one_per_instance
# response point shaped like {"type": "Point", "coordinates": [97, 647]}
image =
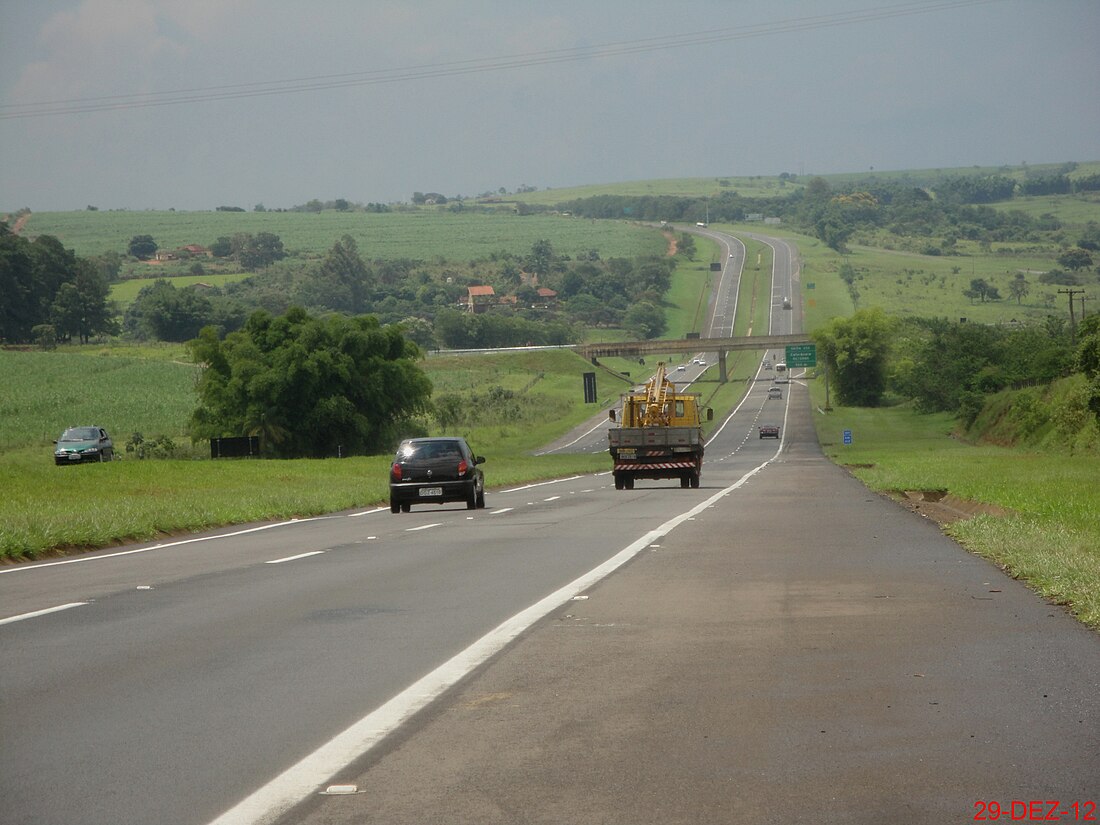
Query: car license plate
{"type": "Point", "coordinates": [431, 491]}
{"type": "Point", "coordinates": [74, 457]}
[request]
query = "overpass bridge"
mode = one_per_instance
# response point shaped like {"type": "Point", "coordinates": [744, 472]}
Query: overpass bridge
{"type": "Point", "coordinates": [594, 352]}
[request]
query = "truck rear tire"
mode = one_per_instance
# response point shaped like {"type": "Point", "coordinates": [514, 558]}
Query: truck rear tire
{"type": "Point", "coordinates": [695, 480]}
{"type": "Point", "coordinates": [628, 482]}
{"type": "Point", "coordinates": [685, 481]}
{"type": "Point", "coordinates": [618, 481]}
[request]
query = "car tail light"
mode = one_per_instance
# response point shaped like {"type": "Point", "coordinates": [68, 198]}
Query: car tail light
{"type": "Point", "coordinates": [463, 467]}
{"type": "Point", "coordinates": [395, 470]}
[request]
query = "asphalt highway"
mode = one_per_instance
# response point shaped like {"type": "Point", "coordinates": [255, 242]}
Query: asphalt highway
{"type": "Point", "coordinates": [778, 645]}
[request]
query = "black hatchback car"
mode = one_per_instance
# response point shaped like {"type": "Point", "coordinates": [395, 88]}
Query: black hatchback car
{"type": "Point", "coordinates": [435, 471]}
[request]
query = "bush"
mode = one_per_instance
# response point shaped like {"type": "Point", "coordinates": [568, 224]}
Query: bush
{"type": "Point", "coordinates": [161, 447]}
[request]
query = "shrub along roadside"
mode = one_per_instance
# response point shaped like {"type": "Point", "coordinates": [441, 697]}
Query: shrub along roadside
{"type": "Point", "coordinates": [1051, 537]}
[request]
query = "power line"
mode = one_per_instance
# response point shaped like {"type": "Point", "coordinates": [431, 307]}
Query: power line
{"type": "Point", "coordinates": [473, 65]}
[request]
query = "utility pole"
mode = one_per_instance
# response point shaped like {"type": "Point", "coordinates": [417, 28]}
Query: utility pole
{"type": "Point", "coordinates": [1072, 320]}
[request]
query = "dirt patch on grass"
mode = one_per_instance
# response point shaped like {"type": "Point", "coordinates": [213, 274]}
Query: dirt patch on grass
{"type": "Point", "coordinates": [944, 508]}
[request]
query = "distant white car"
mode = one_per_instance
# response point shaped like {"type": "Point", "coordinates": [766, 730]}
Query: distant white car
{"type": "Point", "coordinates": [775, 392]}
{"type": "Point", "coordinates": [680, 368]}
{"type": "Point", "coordinates": [702, 363]}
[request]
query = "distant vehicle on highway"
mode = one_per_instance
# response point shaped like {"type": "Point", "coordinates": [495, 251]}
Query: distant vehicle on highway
{"type": "Point", "coordinates": [700, 223]}
{"type": "Point", "coordinates": [781, 376]}
{"type": "Point", "coordinates": [775, 392]}
{"type": "Point", "coordinates": [680, 368]}
{"type": "Point", "coordinates": [786, 303]}
{"type": "Point", "coordinates": [769, 431]}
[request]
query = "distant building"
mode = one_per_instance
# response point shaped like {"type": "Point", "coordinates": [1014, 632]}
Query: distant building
{"type": "Point", "coordinates": [478, 298]}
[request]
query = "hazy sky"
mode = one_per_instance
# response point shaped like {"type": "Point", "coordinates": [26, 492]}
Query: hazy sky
{"type": "Point", "coordinates": [372, 100]}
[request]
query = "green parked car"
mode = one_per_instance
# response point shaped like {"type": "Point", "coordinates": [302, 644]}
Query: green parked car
{"type": "Point", "coordinates": [80, 444]}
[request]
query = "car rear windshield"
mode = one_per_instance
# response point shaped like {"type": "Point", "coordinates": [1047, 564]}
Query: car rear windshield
{"type": "Point", "coordinates": [429, 450]}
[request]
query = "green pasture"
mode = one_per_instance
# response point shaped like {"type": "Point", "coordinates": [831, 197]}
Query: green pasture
{"type": "Point", "coordinates": [425, 235]}
{"type": "Point", "coordinates": [1073, 211]}
{"type": "Point", "coordinates": [123, 293]}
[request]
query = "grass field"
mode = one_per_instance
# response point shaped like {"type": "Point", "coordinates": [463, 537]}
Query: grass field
{"type": "Point", "coordinates": [124, 292]}
{"type": "Point", "coordinates": [424, 235]}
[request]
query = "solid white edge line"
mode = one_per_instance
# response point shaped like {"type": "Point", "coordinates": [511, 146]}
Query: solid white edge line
{"type": "Point", "coordinates": [294, 558]}
{"type": "Point", "coordinates": [315, 770]}
{"type": "Point", "coordinates": [36, 613]}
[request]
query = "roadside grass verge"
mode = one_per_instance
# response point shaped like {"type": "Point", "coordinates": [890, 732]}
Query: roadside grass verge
{"type": "Point", "coordinates": [1050, 537]}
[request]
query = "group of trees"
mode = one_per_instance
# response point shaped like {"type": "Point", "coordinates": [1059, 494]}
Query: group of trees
{"type": "Point", "coordinates": [309, 386]}
{"type": "Point", "coordinates": [48, 294]}
{"type": "Point", "coordinates": [942, 366]}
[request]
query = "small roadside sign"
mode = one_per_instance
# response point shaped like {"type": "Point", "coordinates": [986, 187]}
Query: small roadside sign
{"type": "Point", "coordinates": [847, 436]}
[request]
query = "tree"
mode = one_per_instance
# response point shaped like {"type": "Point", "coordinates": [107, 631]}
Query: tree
{"type": "Point", "coordinates": [342, 280]}
{"type": "Point", "coordinates": [1019, 288]}
{"type": "Point", "coordinates": [41, 279]}
{"type": "Point", "coordinates": [256, 252]}
{"type": "Point", "coordinates": [142, 247]}
{"type": "Point", "coordinates": [541, 257]}
{"type": "Point", "coordinates": [981, 289]}
{"type": "Point", "coordinates": [644, 320]}
{"type": "Point", "coordinates": [314, 387]}
{"type": "Point", "coordinates": [1075, 259]}
{"type": "Point", "coordinates": [855, 351]}
{"type": "Point", "coordinates": [80, 307]}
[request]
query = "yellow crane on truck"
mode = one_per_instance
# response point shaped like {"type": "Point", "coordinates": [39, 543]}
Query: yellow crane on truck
{"type": "Point", "coordinates": [660, 434]}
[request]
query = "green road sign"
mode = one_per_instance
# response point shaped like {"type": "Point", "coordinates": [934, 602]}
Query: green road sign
{"type": "Point", "coordinates": [801, 355]}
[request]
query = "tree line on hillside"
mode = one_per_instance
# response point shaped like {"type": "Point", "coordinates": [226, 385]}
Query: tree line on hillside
{"type": "Point", "coordinates": [955, 207]}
